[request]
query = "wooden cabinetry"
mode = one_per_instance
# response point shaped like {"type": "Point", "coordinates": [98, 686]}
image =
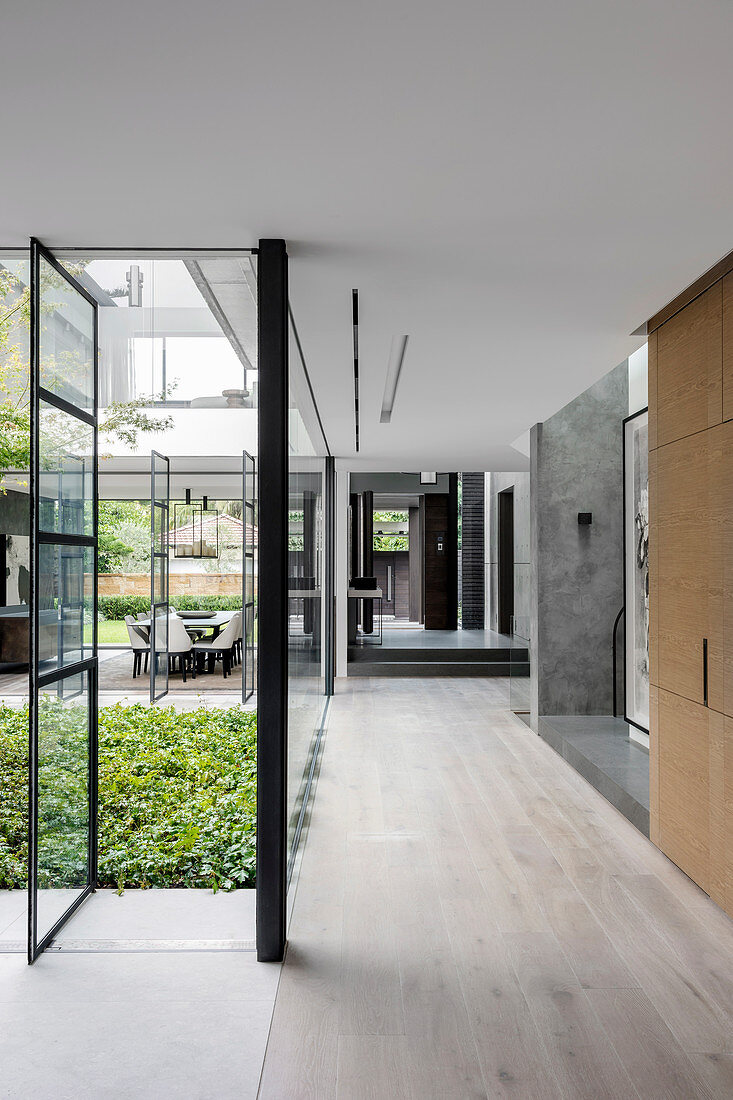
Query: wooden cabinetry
{"type": "Point", "coordinates": [684, 783]}
{"type": "Point", "coordinates": [728, 347]}
{"type": "Point", "coordinates": [691, 588]}
{"type": "Point", "coordinates": [689, 368]}
{"type": "Point", "coordinates": [688, 561]}
{"type": "Point", "coordinates": [695, 789]}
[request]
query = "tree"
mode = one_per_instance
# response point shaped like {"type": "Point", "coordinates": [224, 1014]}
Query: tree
{"type": "Point", "coordinates": [122, 421]}
{"type": "Point", "coordinates": [124, 536]}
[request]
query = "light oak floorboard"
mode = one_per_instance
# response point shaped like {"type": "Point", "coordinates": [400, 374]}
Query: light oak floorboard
{"type": "Point", "coordinates": [473, 920]}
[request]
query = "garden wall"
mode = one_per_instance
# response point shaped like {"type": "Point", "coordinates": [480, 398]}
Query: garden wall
{"type": "Point", "coordinates": [181, 584]}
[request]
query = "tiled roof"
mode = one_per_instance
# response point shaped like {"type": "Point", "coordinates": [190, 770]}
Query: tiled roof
{"type": "Point", "coordinates": [231, 531]}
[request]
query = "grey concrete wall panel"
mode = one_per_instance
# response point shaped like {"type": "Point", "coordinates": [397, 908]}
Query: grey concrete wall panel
{"type": "Point", "coordinates": [576, 465]}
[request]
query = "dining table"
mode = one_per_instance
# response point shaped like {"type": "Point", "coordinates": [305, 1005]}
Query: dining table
{"type": "Point", "coordinates": [198, 624]}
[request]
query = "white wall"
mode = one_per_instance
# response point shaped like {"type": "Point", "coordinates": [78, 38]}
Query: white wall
{"type": "Point", "coordinates": [638, 380]}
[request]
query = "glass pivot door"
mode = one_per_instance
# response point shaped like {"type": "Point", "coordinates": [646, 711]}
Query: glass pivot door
{"type": "Point", "coordinates": [160, 478]}
{"type": "Point", "coordinates": [249, 607]}
{"type": "Point", "coordinates": [62, 834]}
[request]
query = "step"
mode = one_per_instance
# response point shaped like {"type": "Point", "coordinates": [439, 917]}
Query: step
{"type": "Point", "coordinates": [374, 654]}
{"type": "Point", "coordinates": [436, 668]}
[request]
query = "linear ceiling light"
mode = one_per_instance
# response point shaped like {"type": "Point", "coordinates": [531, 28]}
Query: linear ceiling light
{"type": "Point", "coordinates": [394, 369]}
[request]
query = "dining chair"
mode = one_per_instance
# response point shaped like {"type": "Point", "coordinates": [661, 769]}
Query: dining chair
{"type": "Point", "coordinates": [221, 648]}
{"type": "Point", "coordinates": [140, 642]}
{"type": "Point", "coordinates": [180, 646]}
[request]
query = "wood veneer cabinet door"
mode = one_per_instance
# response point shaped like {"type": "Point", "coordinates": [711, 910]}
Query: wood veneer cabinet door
{"type": "Point", "coordinates": [720, 645]}
{"type": "Point", "coordinates": [689, 368]}
{"type": "Point", "coordinates": [687, 557]}
{"type": "Point", "coordinates": [720, 884]}
{"type": "Point", "coordinates": [728, 347]}
{"type": "Point", "coordinates": [654, 765]}
{"type": "Point", "coordinates": [652, 387]}
{"type": "Point", "coordinates": [684, 783]}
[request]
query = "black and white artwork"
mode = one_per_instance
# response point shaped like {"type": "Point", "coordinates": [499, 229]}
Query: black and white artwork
{"type": "Point", "coordinates": [17, 569]}
{"type": "Point", "coordinates": [636, 568]}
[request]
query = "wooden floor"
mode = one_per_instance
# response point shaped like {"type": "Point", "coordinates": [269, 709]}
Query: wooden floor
{"type": "Point", "coordinates": [472, 919]}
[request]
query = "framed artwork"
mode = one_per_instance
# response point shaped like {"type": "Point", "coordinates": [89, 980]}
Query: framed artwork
{"type": "Point", "coordinates": [636, 569]}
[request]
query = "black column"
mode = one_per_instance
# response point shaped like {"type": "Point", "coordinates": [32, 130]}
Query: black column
{"type": "Point", "coordinates": [272, 640]}
{"type": "Point", "coordinates": [367, 555]}
{"type": "Point", "coordinates": [452, 552]}
{"type": "Point", "coordinates": [354, 541]}
{"type": "Point", "coordinates": [329, 567]}
{"type": "Point", "coordinates": [309, 557]}
{"type": "Point", "coordinates": [353, 606]}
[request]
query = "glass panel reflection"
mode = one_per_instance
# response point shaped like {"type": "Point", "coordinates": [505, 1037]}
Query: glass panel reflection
{"type": "Point", "coordinates": [159, 651]}
{"type": "Point", "coordinates": [63, 797]}
{"type": "Point", "coordinates": [519, 654]}
{"type": "Point", "coordinates": [66, 473]}
{"type": "Point", "coordinates": [66, 340]}
{"type": "Point", "coordinates": [66, 603]}
{"type": "Point", "coordinates": [160, 579]}
{"type": "Point", "coordinates": [305, 555]}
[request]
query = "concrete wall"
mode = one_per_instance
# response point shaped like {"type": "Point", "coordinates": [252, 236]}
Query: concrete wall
{"type": "Point", "coordinates": [576, 465]}
{"type": "Point", "coordinates": [496, 483]}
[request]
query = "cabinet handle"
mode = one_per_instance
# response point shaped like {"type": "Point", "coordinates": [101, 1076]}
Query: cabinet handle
{"type": "Point", "coordinates": [705, 672]}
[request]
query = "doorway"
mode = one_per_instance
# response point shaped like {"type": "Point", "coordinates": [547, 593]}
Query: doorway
{"type": "Point", "coordinates": [506, 561]}
{"type": "Point", "coordinates": [89, 347]}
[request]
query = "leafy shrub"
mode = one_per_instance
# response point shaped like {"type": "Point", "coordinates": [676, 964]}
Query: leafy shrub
{"type": "Point", "coordinates": [13, 797]}
{"type": "Point", "coordinates": [206, 603]}
{"type": "Point", "coordinates": [177, 796]}
{"type": "Point", "coordinates": [116, 607]}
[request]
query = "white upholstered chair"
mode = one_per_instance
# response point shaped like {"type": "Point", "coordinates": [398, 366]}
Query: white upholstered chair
{"type": "Point", "coordinates": [140, 643]}
{"type": "Point", "coordinates": [222, 647]}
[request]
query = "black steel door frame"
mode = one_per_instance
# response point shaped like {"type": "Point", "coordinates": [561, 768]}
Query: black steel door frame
{"type": "Point", "coordinates": [159, 553]}
{"type": "Point", "coordinates": [39, 537]}
{"type": "Point", "coordinates": [249, 606]}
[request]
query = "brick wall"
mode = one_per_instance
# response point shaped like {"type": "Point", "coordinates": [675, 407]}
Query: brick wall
{"type": "Point", "coordinates": [181, 584]}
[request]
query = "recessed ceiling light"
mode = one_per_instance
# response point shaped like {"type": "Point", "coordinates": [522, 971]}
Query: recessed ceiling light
{"type": "Point", "coordinates": [394, 368]}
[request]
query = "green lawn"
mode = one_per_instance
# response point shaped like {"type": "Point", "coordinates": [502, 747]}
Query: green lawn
{"type": "Point", "coordinates": [109, 630]}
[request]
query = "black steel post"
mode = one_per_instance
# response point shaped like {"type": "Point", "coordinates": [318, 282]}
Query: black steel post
{"type": "Point", "coordinates": [367, 555]}
{"type": "Point", "coordinates": [329, 566]}
{"type": "Point", "coordinates": [272, 640]}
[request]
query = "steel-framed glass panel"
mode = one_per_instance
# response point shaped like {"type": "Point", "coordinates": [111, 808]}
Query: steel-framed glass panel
{"type": "Point", "coordinates": [159, 602]}
{"type": "Point", "coordinates": [62, 834]}
{"type": "Point", "coordinates": [249, 606]}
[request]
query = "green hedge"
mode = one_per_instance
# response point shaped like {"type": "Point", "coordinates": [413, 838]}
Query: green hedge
{"type": "Point", "coordinates": [177, 796]}
{"type": "Point", "coordinates": [116, 607]}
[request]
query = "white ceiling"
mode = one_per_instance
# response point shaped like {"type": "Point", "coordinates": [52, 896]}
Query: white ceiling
{"type": "Point", "coordinates": [515, 185]}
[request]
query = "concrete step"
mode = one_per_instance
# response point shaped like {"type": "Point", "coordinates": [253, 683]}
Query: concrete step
{"type": "Point", "coordinates": [377, 654]}
{"type": "Point", "coordinates": [436, 668]}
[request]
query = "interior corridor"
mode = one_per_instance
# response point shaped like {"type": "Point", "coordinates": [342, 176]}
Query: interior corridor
{"type": "Point", "coordinates": [472, 919]}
